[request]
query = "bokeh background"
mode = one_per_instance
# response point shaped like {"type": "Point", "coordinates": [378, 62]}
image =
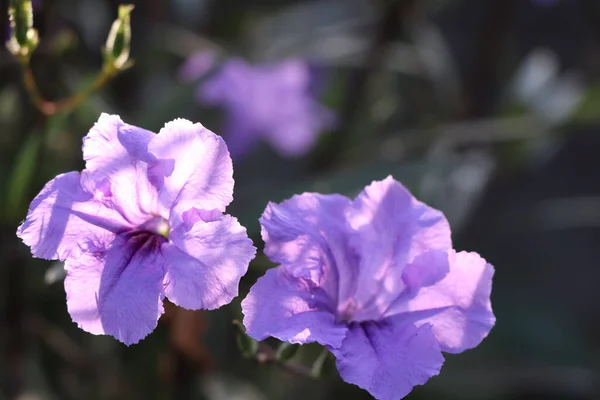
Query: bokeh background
{"type": "Point", "coordinates": [486, 109]}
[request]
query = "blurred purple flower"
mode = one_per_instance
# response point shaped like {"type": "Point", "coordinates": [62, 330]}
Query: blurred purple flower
{"type": "Point", "coordinates": [545, 3]}
{"type": "Point", "coordinates": [273, 102]}
{"type": "Point", "coordinates": [197, 65]}
{"type": "Point", "coordinates": [375, 280]}
{"type": "Point", "coordinates": [142, 221]}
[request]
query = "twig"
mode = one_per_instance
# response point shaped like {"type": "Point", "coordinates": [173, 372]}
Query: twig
{"type": "Point", "coordinates": [266, 355]}
{"type": "Point", "coordinates": [67, 105]}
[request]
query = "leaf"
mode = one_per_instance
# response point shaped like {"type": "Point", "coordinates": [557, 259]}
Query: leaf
{"type": "Point", "coordinates": [286, 351]}
{"type": "Point", "coordinates": [248, 346]}
{"type": "Point", "coordinates": [22, 174]}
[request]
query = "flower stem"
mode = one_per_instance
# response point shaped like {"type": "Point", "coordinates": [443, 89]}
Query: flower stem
{"type": "Point", "coordinates": [69, 104]}
{"type": "Point", "coordinates": [267, 355]}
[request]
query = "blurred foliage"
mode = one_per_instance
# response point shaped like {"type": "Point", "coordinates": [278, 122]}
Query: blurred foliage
{"type": "Point", "coordinates": [446, 96]}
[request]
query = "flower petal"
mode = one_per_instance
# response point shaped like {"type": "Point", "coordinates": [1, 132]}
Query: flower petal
{"type": "Point", "coordinates": [241, 135]}
{"type": "Point", "coordinates": [202, 173]}
{"type": "Point", "coordinates": [273, 102]}
{"type": "Point", "coordinates": [388, 358]}
{"type": "Point", "coordinates": [112, 145]}
{"type": "Point", "coordinates": [63, 220]}
{"type": "Point", "coordinates": [117, 291]}
{"type": "Point", "coordinates": [390, 229]}
{"type": "Point", "coordinates": [207, 258]}
{"type": "Point", "coordinates": [291, 309]}
{"type": "Point", "coordinates": [119, 168]}
{"type": "Point", "coordinates": [307, 234]}
{"type": "Point", "coordinates": [197, 65]}
{"type": "Point", "coordinates": [458, 307]}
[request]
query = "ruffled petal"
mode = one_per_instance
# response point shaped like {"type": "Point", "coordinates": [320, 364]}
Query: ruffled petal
{"type": "Point", "coordinates": [208, 255]}
{"type": "Point", "coordinates": [117, 291]}
{"type": "Point", "coordinates": [63, 220]}
{"type": "Point", "coordinates": [112, 145]}
{"type": "Point", "coordinates": [201, 173]}
{"type": "Point", "coordinates": [458, 307]}
{"type": "Point", "coordinates": [118, 168]}
{"type": "Point", "coordinates": [390, 229]}
{"type": "Point", "coordinates": [388, 358]}
{"type": "Point", "coordinates": [291, 309]}
{"type": "Point", "coordinates": [307, 235]}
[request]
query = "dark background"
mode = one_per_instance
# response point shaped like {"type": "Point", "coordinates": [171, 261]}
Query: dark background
{"type": "Point", "coordinates": [432, 92]}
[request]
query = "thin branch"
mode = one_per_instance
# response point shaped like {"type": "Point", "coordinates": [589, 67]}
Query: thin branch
{"type": "Point", "coordinates": [67, 105]}
{"type": "Point", "coordinates": [267, 355]}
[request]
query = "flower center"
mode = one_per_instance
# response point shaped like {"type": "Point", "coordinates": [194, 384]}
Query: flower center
{"type": "Point", "coordinates": [346, 311]}
{"type": "Point", "coordinates": [157, 225]}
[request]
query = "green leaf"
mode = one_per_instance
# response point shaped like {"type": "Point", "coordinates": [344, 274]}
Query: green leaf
{"type": "Point", "coordinates": [588, 110]}
{"type": "Point", "coordinates": [248, 346]}
{"type": "Point", "coordinates": [318, 365]}
{"type": "Point", "coordinates": [286, 351]}
{"type": "Point", "coordinates": [21, 177]}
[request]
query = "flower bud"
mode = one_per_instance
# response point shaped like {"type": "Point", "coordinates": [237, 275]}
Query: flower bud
{"type": "Point", "coordinates": [23, 37]}
{"type": "Point", "coordinates": [116, 51]}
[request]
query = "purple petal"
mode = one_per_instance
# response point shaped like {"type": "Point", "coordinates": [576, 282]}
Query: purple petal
{"type": "Point", "coordinates": [207, 258]}
{"type": "Point", "coordinates": [458, 307]}
{"type": "Point", "coordinates": [391, 228]}
{"type": "Point", "coordinates": [112, 145]}
{"type": "Point", "coordinates": [388, 358]}
{"type": "Point", "coordinates": [197, 65]}
{"type": "Point", "coordinates": [273, 102]}
{"type": "Point", "coordinates": [116, 171]}
{"type": "Point", "coordinates": [290, 308]}
{"type": "Point", "coordinates": [63, 220]}
{"type": "Point", "coordinates": [295, 141]}
{"type": "Point", "coordinates": [425, 270]}
{"type": "Point", "coordinates": [228, 84]}
{"type": "Point", "coordinates": [202, 174]}
{"type": "Point", "coordinates": [307, 235]}
{"type": "Point", "coordinates": [545, 3]}
{"type": "Point", "coordinates": [241, 137]}
{"type": "Point", "coordinates": [117, 291]}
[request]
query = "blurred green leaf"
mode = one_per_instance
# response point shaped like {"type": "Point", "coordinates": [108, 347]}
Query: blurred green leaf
{"type": "Point", "coordinates": [318, 366]}
{"type": "Point", "coordinates": [21, 177]}
{"type": "Point", "coordinates": [9, 104]}
{"type": "Point", "coordinates": [286, 351]}
{"type": "Point", "coordinates": [248, 347]}
{"type": "Point", "coordinates": [588, 110]}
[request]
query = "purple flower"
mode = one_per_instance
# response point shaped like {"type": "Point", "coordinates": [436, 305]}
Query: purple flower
{"type": "Point", "coordinates": [272, 102]}
{"type": "Point", "coordinates": [197, 65]}
{"type": "Point", "coordinates": [142, 221]}
{"type": "Point", "coordinates": [545, 3]}
{"type": "Point", "coordinates": [375, 280]}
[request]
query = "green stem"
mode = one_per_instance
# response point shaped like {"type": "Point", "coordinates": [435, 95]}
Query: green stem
{"type": "Point", "coordinates": [317, 367]}
{"type": "Point", "coordinates": [67, 105]}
